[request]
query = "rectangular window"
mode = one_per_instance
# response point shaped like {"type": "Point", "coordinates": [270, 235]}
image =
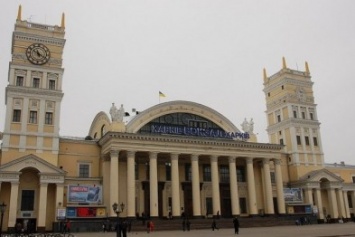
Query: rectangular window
{"type": "Point", "coordinates": [51, 85]}
{"type": "Point", "coordinates": [49, 118]}
{"type": "Point", "coordinates": [273, 177]}
{"type": "Point", "coordinates": [33, 117]}
{"type": "Point", "coordinates": [188, 174]}
{"type": "Point", "coordinates": [16, 116]}
{"type": "Point", "coordinates": [281, 141]}
{"type": "Point", "coordinates": [19, 81]}
{"type": "Point", "coordinates": [27, 200]}
{"type": "Point", "coordinates": [306, 140]}
{"type": "Point", "coordinates": [353, 179]}
{"type": "Point", "coordinates": [168, 171]}
{"type": "Point", "coordinates": [350, 201]}
{"type": "Point", "coordinates": [224, 173]}
{"type": "Point", "coordinates": [315, 141]}
{"type": "Point", "coordinates": [311, 116]}
{"type": "Point", "coordinates": [278, 118]}
{"type": "Point", "coordinates": [84, 170]}
{"type": "Point", "coordinates": [299, 140]}
{"type": "Point", "coordinates": [295, 114]}
{"type": "Point", "coordinates": [35, 82]}
{"type": "Point", "coordinates": [241, 174]}
{"type": "Point", "coordinates": [303, 115]}
{"type": "Point", "coordinates": [207, 173]}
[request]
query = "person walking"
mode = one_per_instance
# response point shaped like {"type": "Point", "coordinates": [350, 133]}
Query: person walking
{"type": "Point", "coordinates": [236, 225]}
{"type": "Point", "coordinates": [188, 224]}
{"type": "Point", "coordinates": [183, 224]}
{"type": "Point", "coordinates": [214, 225]}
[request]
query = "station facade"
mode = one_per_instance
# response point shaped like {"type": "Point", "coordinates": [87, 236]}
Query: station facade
{"type": "Point", "coordinates": [175, 158]}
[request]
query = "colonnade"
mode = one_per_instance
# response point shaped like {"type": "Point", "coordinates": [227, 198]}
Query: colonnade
{"type": "Point", "coordinates": [195, 184]}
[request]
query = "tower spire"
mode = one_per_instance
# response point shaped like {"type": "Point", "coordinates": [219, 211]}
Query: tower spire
{"type": "Point", "coordinates": [307, 68]}
{"type": "Point", "coordinates": [265, 75]}
{"type": "Point", "coordinates": [62, 25]}
{"type": "Point", "coordinates": [284, 63]}
{"type": "Point", "coordinates": [19, 13]}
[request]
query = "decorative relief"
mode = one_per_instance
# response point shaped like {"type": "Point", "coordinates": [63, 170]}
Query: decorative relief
{"type": "Point", "coordinates": [36, 74]}
{"type": "Point", "coordinates": [306, 130]}
{"type": "Point", "coordinates": [49, 105]}
{"type": "Point", "coordinates": [19, 56]}
{"type": "Point", "coordinates": [53, 76]}
{"type": "Point", "coordinates": [17, 102]}
{"type": "Point", "coordinates": [20, 72]}
{"type": "Point", "coordinates": [32, 163]}
{"type": "Point", "coordinates": [5, 176]}
{"type": "Point", "coordinates": [34, 103]}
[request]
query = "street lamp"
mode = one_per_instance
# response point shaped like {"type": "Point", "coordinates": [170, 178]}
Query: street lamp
{"type": "Point", "coordinates": [118, 209]}
{"type": "Point", "coordinates": [2, 210]}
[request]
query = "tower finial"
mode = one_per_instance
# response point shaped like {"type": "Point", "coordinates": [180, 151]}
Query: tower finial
{"type": "Point", "coordinates": [307, 68]}
{"type": "Point", "coordinates": [19, 13]}
{"type": "Point", "coordinates": [62, 25]}
{"type": "Point", "coordinates": [284, 63]}
{"type": "Point", "coordinates": [265, 75]}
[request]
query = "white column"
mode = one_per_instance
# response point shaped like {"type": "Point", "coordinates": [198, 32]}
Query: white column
{"type": "Point", "coordinates": [59, 197]}
{"type": "Point", "coordinates": [251, 187]}
{"type": "Point", "coordinates": [279, 187]}
{"type": "Point", "coordinates": [332, 203]}
{"type": "Point", "coordinates": [346, 203]}
{"type": "Point", "coordinates": [319, 204]}
{"type": "Point", "coordinates": [153, 180]}
{"type": "Point", "coordinates": [131, 185]}
{"type": "Point", "coordinates": [42, 207]}
{"type": "Point", "coordinates": [216, 201]}
{"type": "Point", "coordinates": [114, 181]}
{"type": "Point", "coordinates": [234, 186]}
{"type": "Point", "coordinates": [308, 196]}
{"type": "Point", "coordinates": [340, 201]}
{"type": "Point", "coordinates": [175, 187]}
{"type": "Point", "coordinates": [13, 204]}
{"type": "Point", "coordinates": [195, 186]}
{"type": "Point", "coordinates": [268, 187]}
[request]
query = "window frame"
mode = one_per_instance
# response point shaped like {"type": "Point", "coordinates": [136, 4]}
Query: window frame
{"type": "Point", "coordinates": [16, 115]}
{"type": "Point", "coordinates": [48, 119]}
{"type": "Point", "coordinates": [84, 173]}
{"type": "Point", "coordinates": [36, 82]}
{"type": "Point", "coordinates": [33, 117]}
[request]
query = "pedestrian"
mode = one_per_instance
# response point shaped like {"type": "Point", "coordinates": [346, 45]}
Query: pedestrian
{"type": "Point", "coordinates": [188, 223]}
{"type": "Point", "coordinates": [236, 225]}
{"type": "Point", "coordinates": [214, 225]}
{"type": "Point", "coordinates": [104, 227]}
{"type": "Point", "coordinates": [67, 226]}
{"type": "Point", "coordinates": [151, 226]}
{"type": "Point", "coordinates": [183, 224]}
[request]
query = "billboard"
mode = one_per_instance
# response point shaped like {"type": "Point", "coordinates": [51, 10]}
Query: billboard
{"type": "Point", "coordinates": [293, 195]}
{"type": "Point", "coordinates": [84, 194]}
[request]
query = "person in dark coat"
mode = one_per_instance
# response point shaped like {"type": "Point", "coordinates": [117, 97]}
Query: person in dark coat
{"type": "Point", "coordinates": [183, 224]}
{"type": "Point", "coordinates": [214, 225]}
{"type": "Point", "coordinates": [236, 225]}
{"type": "Point", "coordinates": [188, 224]}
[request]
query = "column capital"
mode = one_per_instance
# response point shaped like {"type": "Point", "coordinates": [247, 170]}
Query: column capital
{"type": "Point", "coordinates": [249, 160]}
{"type": "Point", "coordinates": [231, 159]}
{"type": "Point", "coordinates": [194, 157]}
{"type": "Point", "coordinates": [153, 154]}
{"type": "Point", "coordinates": [266, 161]}
{"type": "Point", "coordinates": [214, 158]}
{"type": "Point", "coordinates": [277, 161]}
{"type": "Point", "coordinates": [131, 153]}
{"type": "Point", "coordinates": [174, 155]}
{"type": "Point", "coordinates": [114, 153]}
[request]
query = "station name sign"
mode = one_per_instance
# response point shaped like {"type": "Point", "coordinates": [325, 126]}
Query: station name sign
{"type": "Point", "coordinates": [197, 132]}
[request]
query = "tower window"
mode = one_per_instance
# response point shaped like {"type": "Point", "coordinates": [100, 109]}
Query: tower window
{"type": "Point", "coordinates": [19, 81]}
{"type": "Point", "coordinates": [268, 94]}
{"type": "Point", "coordinates": [51, 85]}
{"type": "Point", "coordinates": [280, 132]}
{"type": "Point", "coordinates": [282, 87]}
{"type": "Point", "coordinates": [16, 116]}
{"type": "Point", "coordinates": [306, 140]}
{"type": "Point", "coordinates": [281, 141]}
{"type": "Point", "coordinates": [295, 114]}
{"type": "Point", "coordinates": [33, 117]}
{"type": "Point", "coordinates": [298, 140]}
{"type": "Point", "coordinates": [35, 83]}
{"type": "Point", "coordinates": [49, 118]}
{"type": "Point", "coordinates": [311, 116]}
{"type": "Point", "coordinates": [278, 118]}
{"type": "Point", "coordinates": [303, 115]}
{"type": "Point", "coordinates": [315, 141]}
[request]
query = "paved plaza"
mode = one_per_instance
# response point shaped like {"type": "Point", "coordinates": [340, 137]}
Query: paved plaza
{"type": "Point", "coordinates": [322, 230]}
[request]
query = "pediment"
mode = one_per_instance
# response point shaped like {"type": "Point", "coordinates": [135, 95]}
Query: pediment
{"type": "Point", "coordinates": [322, 174]}
{"type": "Point", "coordinates": [31, 161]}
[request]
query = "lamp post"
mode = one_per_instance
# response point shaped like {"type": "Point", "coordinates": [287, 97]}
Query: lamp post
{"type": "Point", "coordinates": [2, 210]}
{"type": "Point", "coordinates": [118, 209]}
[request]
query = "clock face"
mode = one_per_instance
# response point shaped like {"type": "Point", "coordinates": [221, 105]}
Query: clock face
{"type": "Point", "coordinates": [38, 54]}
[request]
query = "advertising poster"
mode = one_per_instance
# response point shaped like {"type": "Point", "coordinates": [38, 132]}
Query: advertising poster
{"type": "Point", "coordinates": [293, 195]}
{"type": "Point", "coordinates": [84, 194]}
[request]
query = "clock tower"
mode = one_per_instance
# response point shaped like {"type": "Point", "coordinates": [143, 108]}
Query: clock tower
{"type": "Point", "coordinates": [292, 119]}
{"type": "Point", "coordinates": [34, 91]}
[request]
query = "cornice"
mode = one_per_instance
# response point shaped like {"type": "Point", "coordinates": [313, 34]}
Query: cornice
{"type": "Point", "coordinates": [293, 122]}
{"type": "Point", "coordinates": [22, 36]}
{"type": "Point", "coordinates": [18, 91]}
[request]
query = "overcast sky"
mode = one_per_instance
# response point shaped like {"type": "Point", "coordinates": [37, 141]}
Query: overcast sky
{"type": "Point", "coordinates": [207, 51]}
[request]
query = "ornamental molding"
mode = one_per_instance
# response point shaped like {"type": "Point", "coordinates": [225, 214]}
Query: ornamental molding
{"type": "Point", "coordinates": [9, 176]}
{"type": "Point", "coordinates": [22, 36]}
{"type": "Point", "coordinates": [293, 122]}
{"type": "Point", "coordinates": [271, 85]}
{"type": "Point", "coordinates": [21, 91]}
